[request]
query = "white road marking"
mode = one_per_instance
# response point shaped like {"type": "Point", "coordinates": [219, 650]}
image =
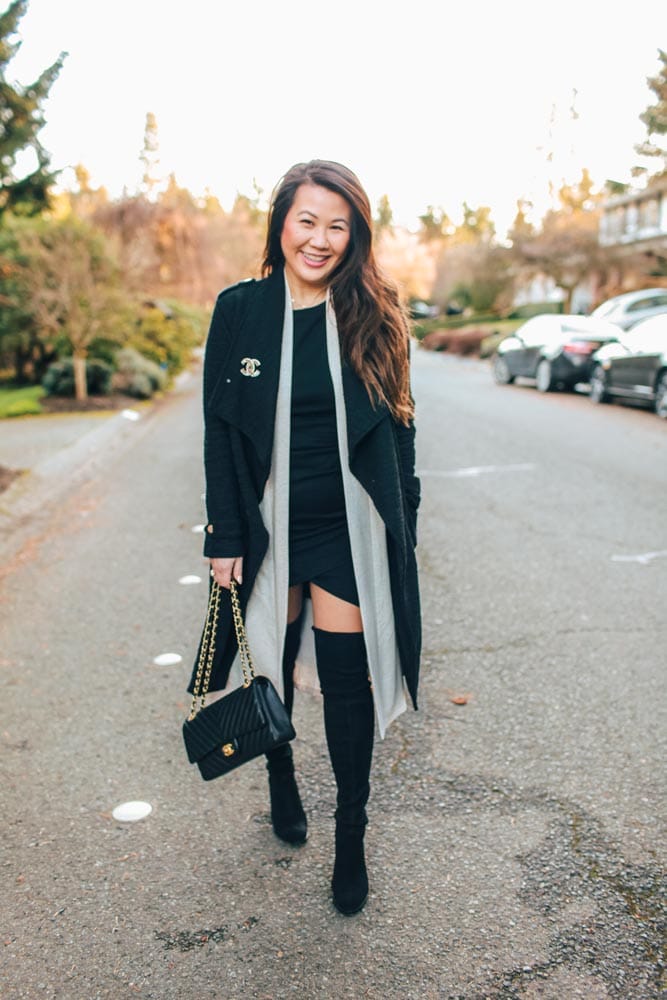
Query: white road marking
{"type": "Point", "coordinates": [167, 660]}
{"type": "Point", "coordinates": [644, 558]}
{"type": "Point", "coordinates": [186, 580]}
{"type": "Point", "coordinates": [476, 470]}
{"type": "Point", "coordinates": [130, 414]}
{"type": "Point", "coordinates": [130, 812]}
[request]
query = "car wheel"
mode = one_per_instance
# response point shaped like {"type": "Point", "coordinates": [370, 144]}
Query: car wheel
{"type": "Point", "coordinates": [545, 382]}
{"type": "Point", "coordinates": [501, 371]}
{"type": "Point", "coordinates": [599, 392]}
{"type": "Point", "coordinates": [661, 397]}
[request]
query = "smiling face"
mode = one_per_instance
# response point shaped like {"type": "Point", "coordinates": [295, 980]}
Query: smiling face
{"type": "Point", "coordinates": [315, 237]}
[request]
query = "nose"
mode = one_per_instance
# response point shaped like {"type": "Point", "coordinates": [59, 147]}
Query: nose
{"type": "Point", "coordinates": [319, 238]}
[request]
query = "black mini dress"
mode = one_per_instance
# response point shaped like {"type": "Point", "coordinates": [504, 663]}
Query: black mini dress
{"type": "Point", "coordinates": [319, 544]}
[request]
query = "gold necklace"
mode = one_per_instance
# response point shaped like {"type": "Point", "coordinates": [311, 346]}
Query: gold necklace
{"type": "Point", "coordinates": [308, 305]}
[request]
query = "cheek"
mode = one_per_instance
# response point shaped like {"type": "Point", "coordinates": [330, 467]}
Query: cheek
{"type": "Point", "coordinates": [343, 244]}
{"type": "Point", "coordinates": [288, 238]}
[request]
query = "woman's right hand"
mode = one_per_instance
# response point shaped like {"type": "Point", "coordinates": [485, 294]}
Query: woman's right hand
{"type": "Point", "coordinates": [224, 571]}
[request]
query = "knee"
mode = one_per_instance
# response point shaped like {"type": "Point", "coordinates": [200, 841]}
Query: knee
{"type": "Point", "coordinates": [342, 664]}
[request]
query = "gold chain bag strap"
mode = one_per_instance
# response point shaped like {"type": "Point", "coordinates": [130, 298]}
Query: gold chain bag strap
{"type": "Point", "coordinates": [247, 722]}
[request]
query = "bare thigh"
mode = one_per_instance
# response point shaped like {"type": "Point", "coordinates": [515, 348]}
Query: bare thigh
{"type": "Point", "coordinates": [331, 614]}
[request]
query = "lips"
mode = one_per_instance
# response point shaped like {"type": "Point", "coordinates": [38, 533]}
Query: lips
{"type": "Point", "coordinates": [314, 261]}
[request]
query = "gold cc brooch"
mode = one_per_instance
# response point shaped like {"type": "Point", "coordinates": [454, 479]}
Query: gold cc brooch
{"type": "Point", "coordinates": [250, 367]}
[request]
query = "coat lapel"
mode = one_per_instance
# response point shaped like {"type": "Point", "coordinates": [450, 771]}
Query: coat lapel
{"type": "Point", "coordinates": [248, 401]}
{"type": "Point", "coordinates": [362, 416]}
{"type": "Point", "coordinates": [360, 413]}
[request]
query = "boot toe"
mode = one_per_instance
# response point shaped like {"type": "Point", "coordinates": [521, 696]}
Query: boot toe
{"type": "Point", "coordinates": [349, 903]}
{"type": "Point", "coordinates": [349, 883]}
{"type": "Point", "coordinates": [287, 814]}
{"type": "Point", "coordinates": [292, 831]}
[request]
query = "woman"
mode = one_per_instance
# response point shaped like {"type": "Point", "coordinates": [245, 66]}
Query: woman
{"type": "Point", "coordinates": [310, 489]}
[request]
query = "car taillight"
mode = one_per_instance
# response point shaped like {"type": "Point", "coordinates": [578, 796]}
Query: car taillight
{"type": "Point", "coordinates": [580, 347]}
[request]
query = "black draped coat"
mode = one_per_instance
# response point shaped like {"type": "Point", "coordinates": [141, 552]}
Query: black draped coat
{"type": "Point", "coordinates": [239, 418]}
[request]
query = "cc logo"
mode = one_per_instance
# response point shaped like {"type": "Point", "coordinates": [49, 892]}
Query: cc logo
{"type": "Point", "coordinates": [250, 367]}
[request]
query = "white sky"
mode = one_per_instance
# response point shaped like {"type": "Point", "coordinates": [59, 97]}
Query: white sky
{"type": "Point", "coordinates": [429, 102]}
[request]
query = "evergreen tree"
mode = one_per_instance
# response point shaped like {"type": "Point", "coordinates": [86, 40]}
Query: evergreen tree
{"type": "Point", "coordinates": [655, 120]}
{"type": "Point", "coordinates": [21, 119]}
{"type": "Point", "coordinates": [522, 228]}
{"type": "Point", "coordinates": [150, 157]}
{"type": "Point", "coordinates": [477, 226]}
{"type": "Point", "coordinates": [384, 216]}
{"type": "Point", "coordinates": [434, 225]}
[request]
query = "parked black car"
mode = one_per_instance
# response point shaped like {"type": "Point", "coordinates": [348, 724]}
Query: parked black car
{"type": "Point", "coordinates": [555, 350]}
{"type": "Point", "coordinates": [635, 367]}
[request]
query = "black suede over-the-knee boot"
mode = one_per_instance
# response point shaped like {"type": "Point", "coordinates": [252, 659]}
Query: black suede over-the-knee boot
{"type": "Point", "coordinates": [287, 814]}
{"type": "Point", "coordinates": [349, 722]}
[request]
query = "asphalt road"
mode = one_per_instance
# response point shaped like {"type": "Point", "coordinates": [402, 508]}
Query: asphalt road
{"type": "Point", "coordinates": [517, 840]}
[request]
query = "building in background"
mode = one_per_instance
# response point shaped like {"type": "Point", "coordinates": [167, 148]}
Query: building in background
{"type": "Point", "coordinates": [637, 221]}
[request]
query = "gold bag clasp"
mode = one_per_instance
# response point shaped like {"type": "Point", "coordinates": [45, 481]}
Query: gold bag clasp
{"type": "Point", "coordinates": [228, 749]}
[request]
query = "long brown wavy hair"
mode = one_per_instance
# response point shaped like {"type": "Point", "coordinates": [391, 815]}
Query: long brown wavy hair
{"type": "Point", "coordinates": [372, 322]}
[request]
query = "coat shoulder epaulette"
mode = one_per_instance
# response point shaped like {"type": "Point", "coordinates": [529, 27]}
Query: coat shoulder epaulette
{"type": "Point", "coordinates": [238, 288]}
{"type": "Point", "coordinates": [231, 306]}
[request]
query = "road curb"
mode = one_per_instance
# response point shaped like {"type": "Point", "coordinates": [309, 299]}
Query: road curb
{"type": "Point", "coordinates": [28, 502]}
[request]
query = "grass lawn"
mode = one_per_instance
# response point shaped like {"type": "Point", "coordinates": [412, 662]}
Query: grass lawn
{"type": "Point", "coordinates": [16, 402]}
{"type": "Point", "coordinates": [490, 324]}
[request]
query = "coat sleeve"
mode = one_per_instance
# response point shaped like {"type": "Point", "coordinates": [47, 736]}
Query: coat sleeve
{"type": "Point", "coordinates": [224, 530]}
{"type": "Point", "coordinates": [405, 444]}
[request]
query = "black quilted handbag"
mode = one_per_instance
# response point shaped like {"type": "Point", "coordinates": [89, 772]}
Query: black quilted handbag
{"type": "Point", "coordinates": [243, 724]}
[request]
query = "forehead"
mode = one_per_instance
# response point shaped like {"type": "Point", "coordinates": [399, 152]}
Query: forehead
{"type": "Point", "coordinates": [321, 202]}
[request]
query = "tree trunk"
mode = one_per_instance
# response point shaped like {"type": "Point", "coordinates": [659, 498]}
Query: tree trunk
{"type": "Point", "coordinates": [21, 358]}
{"type": "Point", "coordinates": [42, 356]}
{"type": "Point", "coordinates": [80, 386]}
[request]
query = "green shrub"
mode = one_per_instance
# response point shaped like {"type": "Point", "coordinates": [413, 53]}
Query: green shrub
{"type": "Point", "coordinates": [140, 386]}
{"type": "Point", "coordinates": [136, 375]}
{"type": "Point", "coordinates": [530, 309]}
{"type": "Point", "coordinates": [59, 378]}
{"type": "Point", "coordinates": [167, 333]}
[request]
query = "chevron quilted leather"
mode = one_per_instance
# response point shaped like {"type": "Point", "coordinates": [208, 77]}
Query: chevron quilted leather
{"type": "Point", "coordinates": [247, 722]}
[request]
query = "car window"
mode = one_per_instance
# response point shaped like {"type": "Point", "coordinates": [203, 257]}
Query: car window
{"type": "Point", "coordinates": [650, 302]}
{"type": "Point", "coordinates": [605, 309]}
{"type": "Point", "coordinates": [638, 305]}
